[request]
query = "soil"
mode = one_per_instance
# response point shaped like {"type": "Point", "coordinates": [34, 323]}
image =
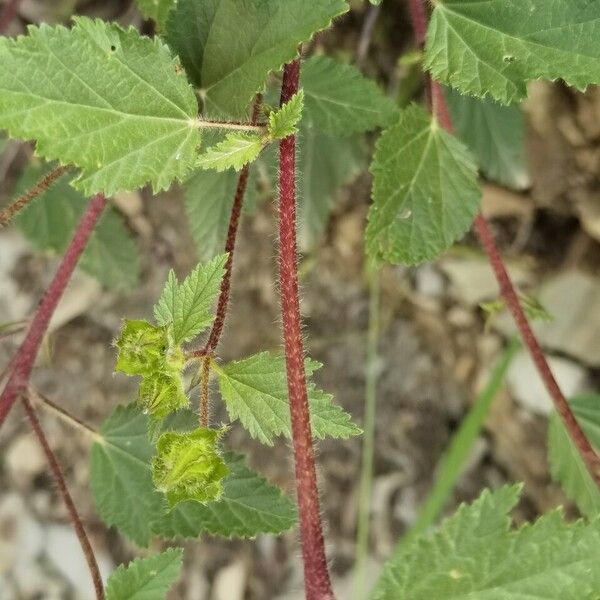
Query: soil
{"type": "Point", "coordinates": [435, 352]}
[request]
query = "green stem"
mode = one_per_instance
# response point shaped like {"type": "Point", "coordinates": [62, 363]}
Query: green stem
{"type": "Point", "coordinates": [366, 472]}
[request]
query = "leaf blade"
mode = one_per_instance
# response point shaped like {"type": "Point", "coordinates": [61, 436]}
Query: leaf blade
{"type": "Point", "coordinates": [78, 112]}
{"type": "Point", "coordinates": [425, 191]}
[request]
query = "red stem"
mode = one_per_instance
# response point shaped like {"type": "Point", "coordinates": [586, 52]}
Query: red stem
{"type": "Point", "coordinates": [61, 484]}
{"type": "Point", "coordinates": [8, 13]}
{"type": "Point", "coordinates": [41, 186]}
{"type": "Point", "coordinates": [23, 362]}
{"type": "Point", "coordinates": [419, 18]}
{"type": "Point", "coordinates": [316, 574]}
{"type": "Point", "coordinates": [508, 291]}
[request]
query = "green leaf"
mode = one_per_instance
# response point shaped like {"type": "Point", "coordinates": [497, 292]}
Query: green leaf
{"type": "Point", "coordinates": [208, 202]}
{"type": "Point", "coordinates": [283, 122]}
{"type": "Point", "coordinates": [255, 392]}
{"type": "Point", "coordinates": [188, 307]}
{"type": "Point", "coordinates": [146, 578]}
{"type": "Point", "coordinates": [495, 134]}
{"type": "Point", "coordinates": [341, 101]}
{"type": "Point", "coordinates": [235, 151]}
{"type": "Point", "coordinates": [326, 163]}
{"type": "Point", "coordinates": [103, 99]}
{"type": "Point", "coordinates": [496, 47]}
{"type": "Point", "coordinates": [249, 506]}
{"type": "Point", "coordinates": [121, 480]}
{"type": "Point", "coordinates": [49, 222]}
{"type": "Point", "coordinates": [188, 466]}
{"type": "Point", "coordinates": [566, 465]}
{"type": "Point", "coordinates": [157, 10]}
{"type": "Point", "coordinates": [229, 47]}
{"type": "Point", "coordinates": [425, 191]}
{"type": "Point", "coordinates": [475, 556]}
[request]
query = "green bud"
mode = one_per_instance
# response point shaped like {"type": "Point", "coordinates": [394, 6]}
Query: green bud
{"type": "Point", "coordinates": [142, 347]}
{"type": "Point", "coordinates": [188, 466]}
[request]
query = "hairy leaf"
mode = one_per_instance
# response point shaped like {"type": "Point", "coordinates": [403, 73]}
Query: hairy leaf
{"type": "Point", "coordinates": [259, 37]}
{"type": "Point", "coordinates": [188, 307]}
{"type": "Point", "coordinates": [103, 99]}
{"type": "Point", "coordinates": [234, 152]}
{"type": "Point", "coordinates": [249, 506]}
{"type": "Point", "coordinates": [121, 480]}
{"type": "Point", "coordinates": [496, 136]}
{"type": "Point", "coordinates": [326, 163]}
{"type": "Point", "coordinates": [566, 465]}
{"type": "Point", "coordinates": [188, 466]}
{"type": "Point", "coordinates": [157, 10]}
{"type": "Point", "coordinates": [341, 101]}
{"type": "Point", "coordinates": [146, 578]}
{"type": "Point", "coordinates": [496, 47]}
{"type": "Point", "coordinates": [283, 122]}
{"type": "Point", "coordinates": [50, 220]}
{"type": "Point", "coordinates": [255, 392]}
{"type": "Point", "coordinates": [425, 191]}
{"type": "Point", "coordinates": [475, 556]}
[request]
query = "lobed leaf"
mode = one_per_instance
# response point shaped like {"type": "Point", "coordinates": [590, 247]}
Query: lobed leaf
{"type": "Point", "coordinates": [566, 465]}
{"type": "Point", "coordinates": [102, 98]}
{"type": "Point", "coordinates": [495, 47]}
{"type": "Point", "coordinates": [425, 191]}
{"type": "Point", "coordinates": [340, 101]}
{"type": "Point", "coordinates": [476, 556]}
{"type": "Point", "coordinates": [146, 578]}
{"type": "Point", "coordinates": [496, 136]}
{"type": "Point", "coordinates": [255, 392]}
{"type": "Point", "coordinates": [50, 220]}
{"type": "Point", "coordinates": [188, 307]}
{"type": "Point", "coordinates": [259, 37]}
{"type": "Point", "coordinates": [234, 152]}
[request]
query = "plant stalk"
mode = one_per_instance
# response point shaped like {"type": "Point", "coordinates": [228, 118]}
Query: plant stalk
{"type": "Point", "coordinates": [316, 574]}
{"type": "Point", "coordinates": [61, 484]}
{"type": "Point", "coordinates": [23, 362]}
{"type": "Point", "coordinates": [20, 203]}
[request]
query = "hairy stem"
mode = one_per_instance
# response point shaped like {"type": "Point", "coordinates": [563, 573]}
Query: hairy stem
{"type": "Point", "coordinates": [316, 575]}
{"type": "Point", "coordinates": [20, 203]}
{"type": "Point", "coordinates": [205, 391]}
{"type": "Point", "coordinates": [8, 13]}
{"type": "Point", "coordinates": [23, 362]}
{"type": "Point", "coordinates": [419, 17]}
{"type": "Point", "coordinates": [508, 291]}
{"type": "Point", "coordinates": [61, 484]}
